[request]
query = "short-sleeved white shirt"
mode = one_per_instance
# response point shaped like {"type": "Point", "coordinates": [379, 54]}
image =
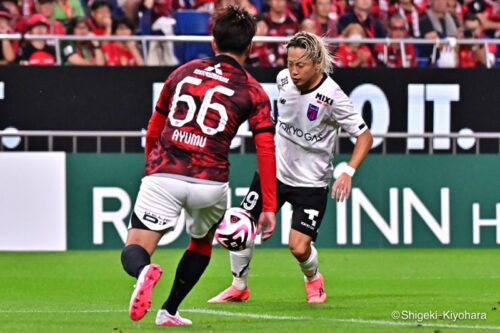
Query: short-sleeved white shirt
{"type": "Point", "coordinates": [307, 126]}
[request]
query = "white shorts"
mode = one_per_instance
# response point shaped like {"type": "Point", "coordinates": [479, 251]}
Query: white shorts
{"type": "Point", "coordinates": [161, 199]}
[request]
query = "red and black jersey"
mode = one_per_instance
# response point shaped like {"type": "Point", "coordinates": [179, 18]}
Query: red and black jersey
{"type": "Point", "coordinates": [204, 102]}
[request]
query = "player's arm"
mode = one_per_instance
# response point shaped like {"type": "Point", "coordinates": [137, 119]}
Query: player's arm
{"type": "Point", "coordinates": [342, 187]}
{"type": "Point", "coordinates": [263, 132]}
{"type": "Point", "coordinates": [157, 121]}
{"type": "Point", "coordinates": [266, 164]}
{"type": "Point", "coordinates": [155, 127]}
{"type": "Point", "coordinates": [352, 122]}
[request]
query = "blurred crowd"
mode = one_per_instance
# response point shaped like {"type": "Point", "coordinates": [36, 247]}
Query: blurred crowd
{"type": "Point", "coordinates": [351, 20]}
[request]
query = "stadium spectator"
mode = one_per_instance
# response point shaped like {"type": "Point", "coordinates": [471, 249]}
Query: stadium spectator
{"type": "Point", "coordinates": [37, 52]}
{"type": "Point", "coordinates": [187, 163]}
{"type": "Point", "coordinates": [149, 10]}
{"type": "Point", "coordinates": [409, 12]}
{"type": "Point", "coordinates": [326, 22]}
{"type": "Point", "coordinates": [308, 25]}
{"type": "Point", "coordinates": [475, 55]}
{"type": "Point", "coordinates": [65, 10]}
{"type": "Point", "coordinates": [307, 6]}
{"type": "Point", "coordinates": [434, 24]}
{"type": "Point", "coordinates": [165, 8]}
{"type": "Point", "coordinates": [18, 23]}
{"type": "Point", "coordinates": [101, 21]}
{"type": "Point", "coordinates": [421, 5]}
{"type": "Point", "coordinates": [46, 8]}
{"type": "Point", "coordinates": [390, 55]}
{"type": "Point", "coordinates": [311, 110]}
{"type": "Point", "coordinates": [122, 53]}
{"type": "Point", "coordinates": [490, 19]}
{"type": "Point", "coordinates": [81, 52]}
{"type": "Point", "coordinates": [380, 10]}
{"type": "Point", "coordinates": [7, 50]}
{"type": "Point", "coordinates": [437, 21]}
{"type": "Point", "coordinates": [281, 23]}
{"type": "Point", "coordinates": [361, 14]}
{"type": "Point", "coordinates": [354, 54]}
{"type": "Point", "coordinates": [260, 54]}
{"type": "Point", "coordinates": [456, 11]}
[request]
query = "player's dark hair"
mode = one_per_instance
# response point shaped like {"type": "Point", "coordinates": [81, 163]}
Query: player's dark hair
{"type": "Point", "coordinates": [233, 29]}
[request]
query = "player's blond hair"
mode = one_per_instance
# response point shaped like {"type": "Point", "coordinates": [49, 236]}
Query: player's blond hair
{"type": "Point", "coordinates": [315, 47]}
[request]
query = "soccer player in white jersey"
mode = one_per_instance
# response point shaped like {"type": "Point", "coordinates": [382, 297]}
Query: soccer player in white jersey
{"type": "Point", "coordinates": [312, 109]}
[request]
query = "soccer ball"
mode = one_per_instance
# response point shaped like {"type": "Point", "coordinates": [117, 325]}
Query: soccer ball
{"type": "Point", "coordinates": [237, 230]}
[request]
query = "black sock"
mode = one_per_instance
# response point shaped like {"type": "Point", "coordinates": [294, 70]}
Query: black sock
{"type": "Point", "coordinates": [189, 271]}
{"type": "Point", "coordinates": [134, 258]}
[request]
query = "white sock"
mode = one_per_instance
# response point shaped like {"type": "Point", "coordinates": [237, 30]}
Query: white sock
{"type": "Point", "coordinates": [310, 266]}
{"type": "Point", "coordinates": [240, 266]}
{"type": "Point", "coordinates": [240, 283]}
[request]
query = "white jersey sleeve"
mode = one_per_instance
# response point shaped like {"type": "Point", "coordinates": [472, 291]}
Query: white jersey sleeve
{"type": "Point", "coordinates": [307, 127]}
{"type": "Point", "coordinates": [344, 114]}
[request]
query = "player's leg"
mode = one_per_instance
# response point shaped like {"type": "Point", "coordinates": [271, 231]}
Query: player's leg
{"type": "Point", "coordinates": [238, 291]}
{"type": "Point", "coordinates": [155, 212]}
{"type": "Point", "coordinates": [205, 206]}
{"type": "Point", "coordinates": [308, 210]}
{"type": "Point", "coordinates": [189, 270]}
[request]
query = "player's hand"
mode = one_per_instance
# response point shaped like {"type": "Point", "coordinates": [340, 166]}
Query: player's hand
{"type": "Point", "coordinates": [342, 187]}
{"type": "Point", "coordinates": [266, 224]}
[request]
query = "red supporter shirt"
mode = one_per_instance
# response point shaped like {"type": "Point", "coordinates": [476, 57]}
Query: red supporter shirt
{"type": "Point", "coordinates": [467, 58]}
{"type": "Point", "coordinates": [345, 56]}
{"type": "Point", "coordinates": [394, 59]}
{"type": "Point", "coordinates": [261, 56]}
{"type": "Point", "coordinates": [98, 31]}
{"type": "Point", "coordinates": [56, 28]}
{"type": "Point", "coordinates": [288, 27]}
{"type": "Point", "coordinates": [118, 55]}
{"type": "Point", "coordinates": [164, 8]}
{"type": "Point", "coordinates": [204, 102]}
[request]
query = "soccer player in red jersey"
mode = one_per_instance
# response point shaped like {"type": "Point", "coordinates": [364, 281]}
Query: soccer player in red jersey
{"type": "Point", "coordinates": [187, 143]}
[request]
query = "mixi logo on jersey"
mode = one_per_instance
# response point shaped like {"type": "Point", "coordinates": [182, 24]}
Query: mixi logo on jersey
{"type": "Point", "coordinates": [313, 110]}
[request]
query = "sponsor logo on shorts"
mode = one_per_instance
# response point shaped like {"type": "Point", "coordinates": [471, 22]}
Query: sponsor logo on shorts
{"type": "Point", "coordinates": [305, 224]}
{"type": "Point", "coordinates": [156, 219]}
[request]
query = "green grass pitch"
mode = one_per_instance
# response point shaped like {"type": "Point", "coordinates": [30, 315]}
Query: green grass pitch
{"type": "Point", "coordinates": [87, 291]}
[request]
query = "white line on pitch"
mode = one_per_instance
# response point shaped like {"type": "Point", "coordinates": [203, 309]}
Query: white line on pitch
{"type": "Point", "coordinates": [339, 320]}
{"type": "Point", "coordinates": [272, 317]}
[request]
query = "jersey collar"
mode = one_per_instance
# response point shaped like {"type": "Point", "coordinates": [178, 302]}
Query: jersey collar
{"type": "Point", "coordinates": [325, 76]}
{"type": "Point", "coordinates": [229, 60]}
